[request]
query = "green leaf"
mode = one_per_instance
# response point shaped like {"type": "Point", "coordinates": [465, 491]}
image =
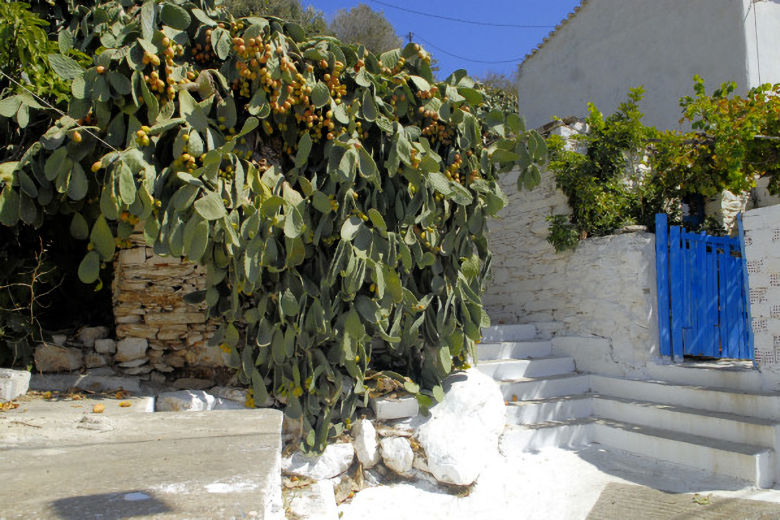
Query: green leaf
{"type": "Point", "coordinates": [289, 303]}
{"type": "Point", "coordinates": [377, 219]}
{"type": "Point", "coordinates": [192, 112]}
{"type": "Point", "coordinates": [196, 238]}
{"type": "Point", "coordinates": [411, 387]}
{"type": "Point", "coordinates": [175, 16]}
{"type": "Point", "coordinates": [147, 19]}
{"type": "Point", "coordinates": [320, 95]}
{"type": "Point", "coordinates": [350, 228]}
{"type": "Point", "coordinates": [259, 391]}
{"type": "Point", "coordinates": [293, 223]}
{"type": "Point", "coordinates": [210, 207]}
{"type": "Point", "coordinates": [127, 188]}
{"type": "Point", "coordinates": [304, 149]}
{"type": "Point", "coordinates": [78, 185]}
{"type": "Point", "coordinates": [321, 202]}
{"type": "Point", "coordinates": [79, 229]}
{"type": "Point", "coordinates": [119, 82]}
{"type": "Point", "coordinates": [9, 206]}
{"type": "Point", "coordinates": [89, 268]}
{"type": "Point", "coordinates": [66, 68]}
{"type": "Point", "coordinates": [440, 183]}
{"type": "Point", "coordinates": [221, 42]}
{"type": "Point", "coordinates": [103, 239]}
{"type": "Point", "coordinates": [369, 106]}
{"type": "Point", "coordinates": [420, 83]}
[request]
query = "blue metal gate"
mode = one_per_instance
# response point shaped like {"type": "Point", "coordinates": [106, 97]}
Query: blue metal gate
{"type": "Point", "coordinates": [703, 298]}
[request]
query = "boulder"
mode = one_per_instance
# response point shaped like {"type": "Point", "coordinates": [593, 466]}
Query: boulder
{"type": "Point", "coordinates": [88, 335]}
{"type": "Point", "coordinates": [130, 349]}
{"type": "Point", "coordinates": [13, 383]}
{"type": "Point", "coordinates": [397, 454]}
{"type": "Point", "coordinates": [184, 401]}
{"type": "Point", "coordinates": [334, 461]}
{"type": "Point", "coordinates": [105, 346]}
{"type": "Point", "coordinates": [52, 358]}
{"type": "Point", "coordinates": [315, 502]}
{"type": "Point", "coordinates": [461, 435]}
{"type": "Point", "coordinates": [365, 444]}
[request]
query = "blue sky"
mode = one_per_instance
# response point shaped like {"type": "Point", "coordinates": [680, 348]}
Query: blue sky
{"type": "Point", "coordinates": [475, 42]}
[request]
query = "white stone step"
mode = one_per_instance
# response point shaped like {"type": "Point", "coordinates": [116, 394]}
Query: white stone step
{"type": "Point", "coordinates": [498, 333]}
{"type": "Point", "coordinates": [752, 404]}
{"type": "Point", "coordinates": [725, 426]}
{"type": "Point", "coordinates": [510, 369]}
{"type": "Point", "coordinates": [731, 374]}
{"type": "Point", "coordinates": [544, 387]}
{"type": "Point", "coordinates": [514, 350]}
{"type": "Point", "coordinates": [754, 464]}
{"type": "Point", "coordinates": [563, 434]}
{"type": "Point", "coordinates": [546, 410]}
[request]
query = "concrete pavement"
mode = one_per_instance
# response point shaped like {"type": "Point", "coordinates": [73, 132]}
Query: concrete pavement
{"type": "Point", "coordinates": [60, 460]}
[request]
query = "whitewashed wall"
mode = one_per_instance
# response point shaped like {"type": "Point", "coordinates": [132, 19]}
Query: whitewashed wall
{"type": "Point", "coordinates": [610, 46]}
{"type": "Point", "coordinates": [762, 248]}
{"type": "Point", "coordinates": [605, 290]}
{"type": "Point", "coordinates": [762, 34]}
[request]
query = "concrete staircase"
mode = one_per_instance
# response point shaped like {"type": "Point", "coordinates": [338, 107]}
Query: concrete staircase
{"type": "Point", "coordinates": [731, 430]}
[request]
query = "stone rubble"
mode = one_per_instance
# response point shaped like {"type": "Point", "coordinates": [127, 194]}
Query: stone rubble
{"type": "Point", "coordinates": [397, 454]}
{"type": "Point", "coordinates": [366, 446]}
{"type": "Point", "coordinates": [334, 461]}
{"type": "Point", "coordinates": [314, 502]}
{"type": "Point", "coordinates": [13, 383]}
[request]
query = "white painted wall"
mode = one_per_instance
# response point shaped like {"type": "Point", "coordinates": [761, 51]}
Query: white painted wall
{"type": "Point", "coordinates": [613, 45]}
{"type": "Point", "coordinates": [603, 294]}
{"type": "Point", "coordinates": [762, 34]}
{"type": "Point", "coordinates": [762, 248]}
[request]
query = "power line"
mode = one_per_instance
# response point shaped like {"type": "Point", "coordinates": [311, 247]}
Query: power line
{"type": "Point", "coordinates": [52, 107]}
{"type": "Point", "coordinates": [513, 60]}
{"type": "Point", "coordinates": [462, 20]}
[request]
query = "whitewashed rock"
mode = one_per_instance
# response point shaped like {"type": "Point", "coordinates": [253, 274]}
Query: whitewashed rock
{"type": "Point", "coordinates": [59, 339]}
{"type": "Point", "coordinates": [334, 461]}
{"type": "Point", "coordinates": [386, 408]}
{"type": "Point", "coordinates": [13, 383]}
{"type": "Point", "coordinates": [88, 335]}
{"type": "Point", "coordinates": [52, 358]}
{"type": "Point", "coordinates": [105, 346]}
{"type": "Point", "coordinates": [130, 349]}
{"type": "Point", "coordinates": [397, 454]}
{"type": "Point", "coordinates": [315, 502]}
{"type": "Point", "coordinates": [462, 433]}
{"type": "Point", "coordinates": [366, 446]}
{"type": "Point", "coordinates": [184, 401]}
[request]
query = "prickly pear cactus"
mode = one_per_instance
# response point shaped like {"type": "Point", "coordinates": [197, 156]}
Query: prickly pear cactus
{"type": "Point", "coordinates": [338, 199]}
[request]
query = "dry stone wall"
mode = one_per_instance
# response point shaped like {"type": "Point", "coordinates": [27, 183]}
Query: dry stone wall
{"type": "Point", "coordinates": [152, 316]}
{"type": "Point", "coordinates": [604, 289]}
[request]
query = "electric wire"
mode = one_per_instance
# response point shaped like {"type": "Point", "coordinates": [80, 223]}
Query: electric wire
{"type": "Point", "coordinates": [51, 107]}
{"type": "Point", "coordinates": [428, 43]}
{"type": "Point", "coordinates": [462, 20]}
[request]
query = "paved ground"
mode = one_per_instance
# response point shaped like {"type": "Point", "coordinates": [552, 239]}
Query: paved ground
{"type": "Point", "coordinates": [559, 484]}
{"type": "Point", "coordinates": [60, 460]}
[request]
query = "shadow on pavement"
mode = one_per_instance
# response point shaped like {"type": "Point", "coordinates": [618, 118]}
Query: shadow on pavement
{"type": "Point", "coordinates": [110, 506]}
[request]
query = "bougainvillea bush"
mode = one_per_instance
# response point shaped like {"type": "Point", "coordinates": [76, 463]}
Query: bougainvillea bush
{"type": "Point", "coordinates": [338, 199]}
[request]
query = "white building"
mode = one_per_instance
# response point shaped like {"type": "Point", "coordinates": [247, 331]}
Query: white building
{"type": "Point", "coordinates": [606, 47]}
